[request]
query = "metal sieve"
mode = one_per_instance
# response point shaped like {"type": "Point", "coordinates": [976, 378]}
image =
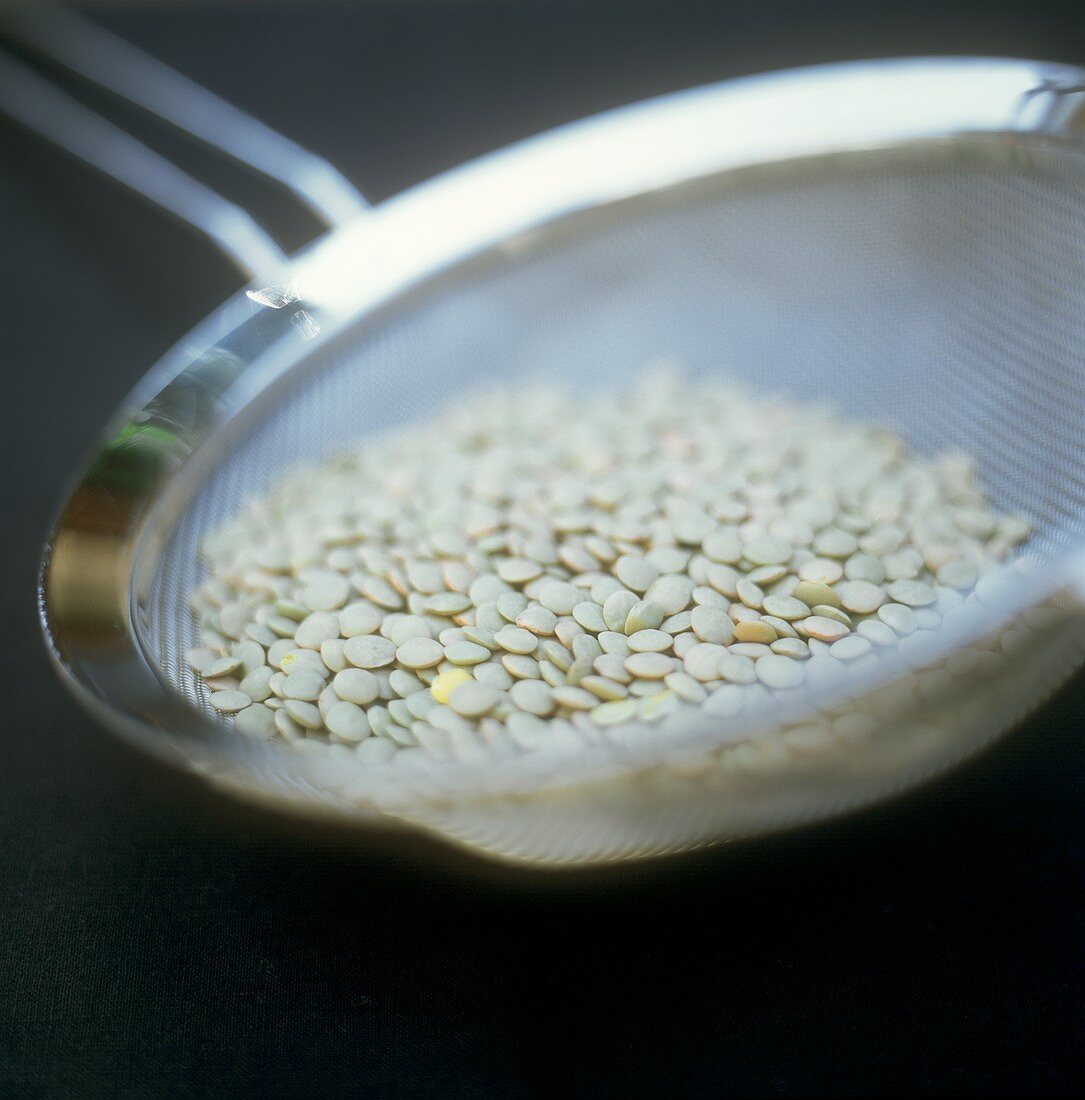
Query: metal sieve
{"type": "Point", "coordinates": [904, 240]}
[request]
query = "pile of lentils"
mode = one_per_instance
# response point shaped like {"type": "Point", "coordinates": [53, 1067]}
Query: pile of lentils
{"type": "Point", "coordinates": [535, 558]}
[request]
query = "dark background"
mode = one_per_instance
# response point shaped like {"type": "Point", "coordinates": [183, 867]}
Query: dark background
{"type": "Point", "coordinates": [155, 940]}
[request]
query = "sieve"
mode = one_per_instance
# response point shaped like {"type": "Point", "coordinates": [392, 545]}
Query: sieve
{"type": "Point", "coordinates": [903, 239]}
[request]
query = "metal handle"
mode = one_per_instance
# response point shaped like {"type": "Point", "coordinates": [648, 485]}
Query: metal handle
{"type": "Point", "coordinates": [38, 105]}
{"type": "Point", "coordinates": [110, 63]}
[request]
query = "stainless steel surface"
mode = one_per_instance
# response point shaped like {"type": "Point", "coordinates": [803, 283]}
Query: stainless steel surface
{"type": "Point", "coordinates": [43, 108]}
{"type": "Point", "coordinates": [111, 63]}
{"type": "Point", "coordinates": [905, 239]}
{"type": "Point", "coordinates": [101, 59]}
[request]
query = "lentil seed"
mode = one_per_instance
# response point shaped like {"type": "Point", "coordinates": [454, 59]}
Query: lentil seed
{"type": "Point", "coordinates": [862, 597]}
{"type": "Point", "coordinates": [847, 649]}
{"type": "Point", "coordinates": [538, 620]}
{"type": "Point", "coordinates": [702, 662]}
{"type": "Point", "coordinates": [473, 700]}
{"type": "Point", "coordinates": [423, 653]}
{"type": "Point", "coordinates": [616, 609]}
{"type": "Point", "coordinates": [348, 722]}
{"type": "Point", "coordinates": [759, 631]}
{"type": "Point", "coordinates": [776, 671]}
{"type": "Point", "coordinates": [824, 629]}
{"type": "Point", "coordinates": [533, 696]}
{"type": "Point", "coordinates": [603, 688]}
{"type": "Point", "coordinates": [785, 607]}
{"type": "Point", "coordinates": [516, 640]}
{"type": "Point", "coordinates": [367, 651]}
{"type": "Point", "coordinates": [898, 617]}
{"type": "Point", "coordinates": [650, 641]}
{"type": "Point", "coordinates": [737, 669]}
{"type": "Point", "coordinates": [256, 721]}
{"type": "Point", "coordinates": [712, 624]}
{"type": "Point", "coordinates": [912, 593]}
{"type": "Point", "coordinates": [229, 702]}
{"type": "Point", "coordinates": [652, 666]}
{"type": "Point", "coordinates": [223, 666]}
{"type": "Point", "coordinates": [616, 713]}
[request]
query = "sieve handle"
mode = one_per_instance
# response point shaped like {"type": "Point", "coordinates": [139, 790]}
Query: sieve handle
{"type": "Point", "coordinates": [41, 107]}
{"type": "Point", "coordinates": [102, 59]}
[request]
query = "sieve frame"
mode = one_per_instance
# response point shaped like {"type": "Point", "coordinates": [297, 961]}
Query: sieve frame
{"type": "Point", "coordinates": [99, 559]}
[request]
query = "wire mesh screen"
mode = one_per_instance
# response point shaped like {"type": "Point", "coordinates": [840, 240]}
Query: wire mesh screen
{"type": "Point", "coordinates": [946, 301]}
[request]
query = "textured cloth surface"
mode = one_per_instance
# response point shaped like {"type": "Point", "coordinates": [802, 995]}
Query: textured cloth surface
{"type": "Point", "coordinates": [158, 941]}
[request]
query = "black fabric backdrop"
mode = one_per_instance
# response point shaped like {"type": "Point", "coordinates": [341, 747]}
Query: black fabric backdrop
{"type": "Point", "coordinates": [155, 940]}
